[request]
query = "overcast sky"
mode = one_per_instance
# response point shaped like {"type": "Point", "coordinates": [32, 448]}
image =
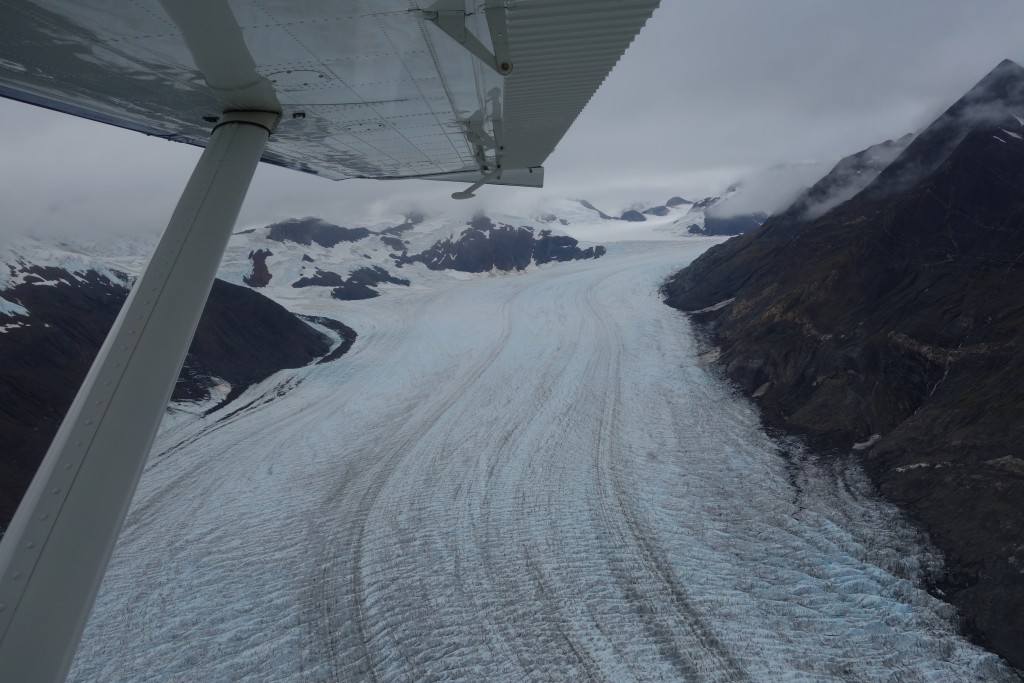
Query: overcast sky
{"type": "Point", "coordinates": [712, 90]}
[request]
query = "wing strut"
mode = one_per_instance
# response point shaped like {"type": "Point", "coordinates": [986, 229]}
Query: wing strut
{"type": "Point", "coordinates": [55, 552]}
{"type": "Point", "coordinates": [468, 192]}
{"type": "Point", "coordinates": [450, 17]}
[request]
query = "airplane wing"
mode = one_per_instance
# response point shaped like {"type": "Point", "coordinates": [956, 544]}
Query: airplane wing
{"type": "Point", "coordinates": [469, 90]}
{"type": "Point", "coordinates": [443, 89]}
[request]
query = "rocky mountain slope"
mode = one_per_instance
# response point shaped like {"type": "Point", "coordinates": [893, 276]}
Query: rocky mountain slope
{"type": "Point", "coordinates": [486, 245]}
{"type": "Point", "coordinates": [56, 309]}
{"type": "Point", "coordinates": [893, 323]}
{"type": "Point", "coordinates": [57, 302]}
{"type": "Point", "coordinates": [360, 263]}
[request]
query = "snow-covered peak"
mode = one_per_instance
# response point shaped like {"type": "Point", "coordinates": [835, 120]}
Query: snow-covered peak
{"type": "Point", "coordinates": [588, 221]}
{"type": "Point", "coordinates": [41, 262]}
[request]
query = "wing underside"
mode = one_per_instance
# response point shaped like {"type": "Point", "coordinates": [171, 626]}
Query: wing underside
{"type": "Point", "coordinates": [366, 88]}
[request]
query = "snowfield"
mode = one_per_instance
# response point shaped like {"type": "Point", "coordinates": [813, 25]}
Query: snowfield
{"type": "Point", "coordinates": [510, 478]}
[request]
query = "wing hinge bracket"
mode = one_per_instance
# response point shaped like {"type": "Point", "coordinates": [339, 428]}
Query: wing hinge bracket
{"type": "Point", "coordinates": [480, 141]}
{"type": "Point", "coordinates": [453, 22]}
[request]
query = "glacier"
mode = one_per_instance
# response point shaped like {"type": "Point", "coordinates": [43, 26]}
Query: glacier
{"type": "Point", "coordinates": [519, 477]}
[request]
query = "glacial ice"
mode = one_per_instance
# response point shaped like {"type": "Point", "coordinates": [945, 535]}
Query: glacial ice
{"type": "Point", "coordinates": [507, 479]}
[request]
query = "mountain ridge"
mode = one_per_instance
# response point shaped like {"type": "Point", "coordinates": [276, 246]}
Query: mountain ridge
{"type": "Point", "coordinates": [891, 324]}
{"type": "Point", "coordinates": [57, 315]}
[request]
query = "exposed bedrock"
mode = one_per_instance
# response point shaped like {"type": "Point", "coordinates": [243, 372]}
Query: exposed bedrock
{"type": "Point", "coordinates": [894, 321]}
{"type": "Point", "coordinates": [308, 231]}
{"type": "Point", "coordinates": [242, 338]}
{"type": "Point", "coordinates": [485, 246]}
{"type": "Point", "coordinates": [260, 274]}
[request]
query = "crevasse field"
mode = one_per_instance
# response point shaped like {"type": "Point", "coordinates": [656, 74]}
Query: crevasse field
{"type": "Point", "coordinates": [523, 477]}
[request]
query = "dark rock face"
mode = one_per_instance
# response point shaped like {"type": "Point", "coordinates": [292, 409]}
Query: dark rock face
{"type": "Point", "coordinates": [393, 242]}
{"type": "Point", "coordinates": [548, 248]}
{"type": "Point", "coordinates": [242, 337]}
{"type": "Point", "coordinates": [321, 278]}
{"type": "Point", "coordinates": [656, 211]}
{"type": "Point", "coordinates": [347, 334]}
{"type": "Point", "coordinates": [486, 246]}
{"type": "Point", "coordinates": [731, 225]}
{"type": "Point", "coordinates": [41, 367]}
{"type": "Point", "coordinates": [482, 222]}
{"type": "Point", "coordinates": [260, 275]}
{"type": "Point", "coordinates": [899, 313]}
{"type": "Point", "coordinates": [306, 231]}
{"type": "Point", "coordinates": [633, 216]}
{"type": "Point", "coordinates": [306, 258]}
{"type": "Point", "coordinates": [361, 282]}
{"type": "Point", "coordinates": [398, 229]}
{"type": "Point", "coordinates": [996, 97]}
{"type": "Point", "coordinates": [677, 201]}
{"type": "Point", "coordinates": [479, 250]}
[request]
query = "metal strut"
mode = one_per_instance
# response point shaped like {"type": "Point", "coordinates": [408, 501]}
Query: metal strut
{"type": "Point", "coordinates": [450, 17]}
{"type": "Point", "coordinates": [468, 192]}
{"type": "Point", "coordinates": [55, 552]}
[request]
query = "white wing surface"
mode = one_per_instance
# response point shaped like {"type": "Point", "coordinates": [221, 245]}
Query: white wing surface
{"type": "Point", "coordinates": [449, 89]}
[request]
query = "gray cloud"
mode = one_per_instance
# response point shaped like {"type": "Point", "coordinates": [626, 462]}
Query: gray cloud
{"type": "Point", "coordinates": [712, 90]}
{"type": "Point", "coordinates": [768, 191]}
{"type": "Point", "coordinates": [851, 176]}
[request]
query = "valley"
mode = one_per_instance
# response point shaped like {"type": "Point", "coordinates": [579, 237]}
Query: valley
{"type": "Point", "coordinates": [525, 476]}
